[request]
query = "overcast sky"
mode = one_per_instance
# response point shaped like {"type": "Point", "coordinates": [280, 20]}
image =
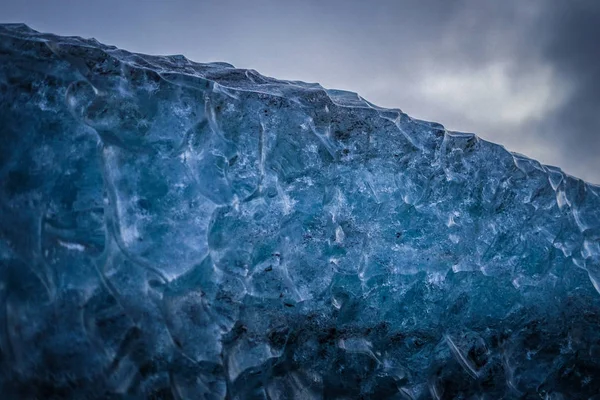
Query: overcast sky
{"type": "Point", "coordinates": [522, 73]}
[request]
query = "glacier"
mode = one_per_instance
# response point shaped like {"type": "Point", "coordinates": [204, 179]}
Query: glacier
{"type": "Point", "coordinates": [178, 230]}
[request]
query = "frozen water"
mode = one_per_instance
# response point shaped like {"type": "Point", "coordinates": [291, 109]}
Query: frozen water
{"type": "Point", "coordinates": [170, 229]}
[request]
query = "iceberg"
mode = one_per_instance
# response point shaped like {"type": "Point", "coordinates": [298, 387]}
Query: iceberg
{"type": "Point", "coordinates": [178, 230]}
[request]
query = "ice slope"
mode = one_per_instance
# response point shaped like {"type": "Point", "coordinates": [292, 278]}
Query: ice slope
{"type": "Point", "coordinates": [171, 229]}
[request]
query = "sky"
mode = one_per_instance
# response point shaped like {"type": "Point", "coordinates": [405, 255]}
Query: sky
{"type": "Point", "coordinates": [522, 73]}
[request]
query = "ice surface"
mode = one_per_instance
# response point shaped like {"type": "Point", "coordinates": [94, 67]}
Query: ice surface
{"type": "Point", "coordinates": [170, 229]}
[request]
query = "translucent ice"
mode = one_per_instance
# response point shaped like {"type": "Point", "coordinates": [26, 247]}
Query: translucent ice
{"type": "Point", "coordinates": [170, 229]}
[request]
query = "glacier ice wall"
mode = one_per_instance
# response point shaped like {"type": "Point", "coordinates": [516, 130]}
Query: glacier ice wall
{"type": "Point", "coordinates": [170, 229]}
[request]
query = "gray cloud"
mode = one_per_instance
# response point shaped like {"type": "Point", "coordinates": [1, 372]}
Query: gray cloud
{"type": "Point", "coordinates": [571, 46]}
{"type": "Point", "coordinates": [521, 73]}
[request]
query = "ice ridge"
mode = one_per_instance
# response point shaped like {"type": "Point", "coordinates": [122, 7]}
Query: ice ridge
{"type": "Point", "coordinates": [178, 230]}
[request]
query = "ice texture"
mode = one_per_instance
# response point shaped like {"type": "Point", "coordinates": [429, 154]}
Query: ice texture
{"type": "Point", "coordinates": [178, 230]}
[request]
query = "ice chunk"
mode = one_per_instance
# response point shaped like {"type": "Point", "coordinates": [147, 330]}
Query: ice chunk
{"type": "Point", "coordinates": [171, 229]}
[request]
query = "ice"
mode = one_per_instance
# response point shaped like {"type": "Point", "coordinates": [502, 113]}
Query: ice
{"type": "Point", "coordinates": [171, 229]}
